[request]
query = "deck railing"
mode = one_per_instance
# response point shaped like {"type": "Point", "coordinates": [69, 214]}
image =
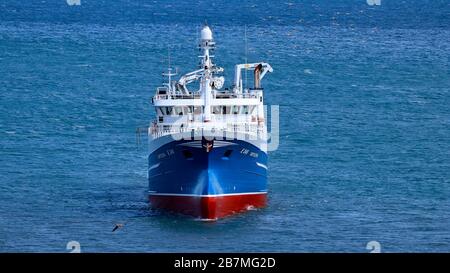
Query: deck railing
{"type": "Point", "coordinates": [157, 131]}
{"type": "Point", "coordinates": [216, 95]}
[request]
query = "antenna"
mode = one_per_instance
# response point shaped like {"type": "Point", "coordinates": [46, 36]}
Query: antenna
{"type": "Point", "coordinates": [199, 42]}
{"type": "Point", "coordinates": [169, 73]}
{"type": "Point", "coordinates": [169, 69]}
{"type": "Point", "coordinates": [168, 56]}
{"type": "Point", "coordinates": [245, 49]}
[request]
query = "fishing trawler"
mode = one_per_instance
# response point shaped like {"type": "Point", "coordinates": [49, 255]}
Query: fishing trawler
{"type": "Point", "coordinates": [208, 147]}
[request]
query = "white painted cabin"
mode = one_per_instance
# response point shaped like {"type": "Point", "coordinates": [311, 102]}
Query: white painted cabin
{"type": "Point", "coordinates": [210, 107]}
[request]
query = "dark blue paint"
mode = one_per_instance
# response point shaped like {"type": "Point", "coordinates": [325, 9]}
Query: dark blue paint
{"type": "Point", "coordinates": [207, 173]}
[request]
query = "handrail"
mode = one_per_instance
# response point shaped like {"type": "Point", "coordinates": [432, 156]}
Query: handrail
{"type": "Point", "coordinates": [161, 130]}
{"type": "Point", "coordinates": [197, 96]}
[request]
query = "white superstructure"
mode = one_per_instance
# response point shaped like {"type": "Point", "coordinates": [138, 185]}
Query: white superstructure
{"type": "Point", "coordinates": [211, 107]}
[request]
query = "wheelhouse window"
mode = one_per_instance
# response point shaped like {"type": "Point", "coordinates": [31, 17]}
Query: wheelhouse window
{"type": "Point", "coordinates": [244, 110]}
{"type": "Point", "coordinates": [169, 111]}
{"type": "Point", "coordinates": [216, 110]}
{"type": "Point", "coordinates": [198, 110]}
{"type": "Point", "coordinates": [251, 109]}
{"type": "Point", "coordinates": [159, 111]}
{"type": "Point", "coordinates": [178, 110]}
{"type": "Point", "coordinates": [221, 110]}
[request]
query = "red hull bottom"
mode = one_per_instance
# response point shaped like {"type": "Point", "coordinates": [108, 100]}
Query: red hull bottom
{"type": "Point", "coordinates": [209, 207]}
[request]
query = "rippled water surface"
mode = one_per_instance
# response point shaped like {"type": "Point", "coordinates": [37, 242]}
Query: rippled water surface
{"type": "Point", "coordinates": [364, 95]}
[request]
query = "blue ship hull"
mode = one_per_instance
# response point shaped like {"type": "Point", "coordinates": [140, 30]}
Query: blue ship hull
{"type": "Point", "coordinates": [207, 179]}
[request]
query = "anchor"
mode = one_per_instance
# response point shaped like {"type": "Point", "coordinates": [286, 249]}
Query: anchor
{"type": "Point", "coordinates": [207, 144]}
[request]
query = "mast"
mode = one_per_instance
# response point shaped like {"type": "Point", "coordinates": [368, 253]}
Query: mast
{"type": "Point", "coordinates": [206, 44]}
{"type": "Point", "coordinates": [169, 73]}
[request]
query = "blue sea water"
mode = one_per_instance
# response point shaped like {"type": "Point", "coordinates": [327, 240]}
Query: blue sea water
{"type": "Point", "coordinates": [364, 96]}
